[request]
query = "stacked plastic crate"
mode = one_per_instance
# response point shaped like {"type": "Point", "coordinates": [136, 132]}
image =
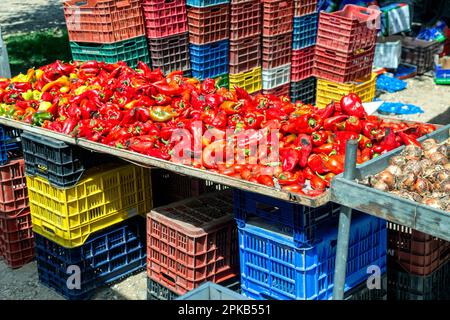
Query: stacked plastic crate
{"type": "Point", "coordinates": [344, 54]}
{"type": "Point", "coordinates": [303, 85]}
{"type": "Point", "coordinates": [167, 34]}
{"type": "Point", "coordinates": [277, 46]}
{"type": "Point", "coordinates": [107, 30]}
{"type": "Point", "coordinates": [16, 236]}
{"type": "Point", "coordinates": [245, 45]}
{"type": "Point", "coordinates": [86, 214]}
{"type": "Point", "coordinates": [419, 265]}
{"type": "Point", "coordinates": [191, 242]}
{"type": "Point", "coordinates": [287, 251]}
{"type": "Point", "coordinates": [209, 30]}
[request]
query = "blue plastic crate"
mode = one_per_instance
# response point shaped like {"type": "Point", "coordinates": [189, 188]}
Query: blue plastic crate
{"type": "Point", "coordinates": [209, 60]}
{"type": "Point", "coordinates": [301, 222]}
{"type": "Point", "coordinates": [205, 3]}
{"type": "Point", "coordinates": [273, 268]}
{"type": "Point", "coordinates": [305, 31]}
{"type": "Point", "coordinates": [442, 73]}
{"type": "Point", "coordinates": [9, 142]}
{"type": "Point", "coordinates": [106, 256]}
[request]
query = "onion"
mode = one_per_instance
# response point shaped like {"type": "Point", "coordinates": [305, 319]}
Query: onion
{"type": "Point", "coordinates": [445, 186]}
{"type": "Point", "coordinates": [430, 152]}
{"type": "Point", "coordinates": [442, 175]}
{"type": "Point", "coordinates": [412, 150]}
{"type": "Point", "coordinates": [406, 181]}
{"type": "Point", "coordinates": [413, 167]}
{"type": "Point", "coordinates": [386, 177]}
{"type": "Point", "coordinates": [445, 150]}
{"type": "Point", "coordinates": [432, 202]}
{"type": "Point", "coordinates": [395, 170]}
{"type": "Point", "coordinates": [438, 158]}
{"type": "Point", "coordinates": [398, 161]}
{"type": "Point", "coordinates": [425, 163]}
{"type": "Point", "coordinates": [428, 144]}
{"type": "Point", "coordinates": [421, 186]}
{"type": "Point", "coordinates": [380, 185]}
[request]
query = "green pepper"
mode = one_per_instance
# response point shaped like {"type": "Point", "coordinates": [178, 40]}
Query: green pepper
{"type": "Point", "coordinates": [39, 117]}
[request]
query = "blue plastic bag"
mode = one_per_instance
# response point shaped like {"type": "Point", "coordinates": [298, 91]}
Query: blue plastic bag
{"type": "Point", "coordinates": [390, 84]}
{"type": "Point", "coordinates": [399, 108]}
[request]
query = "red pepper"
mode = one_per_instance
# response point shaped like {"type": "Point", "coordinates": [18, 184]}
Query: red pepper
{"type": "Point", "coordinates": [289, 158]}
{"type": "Point", "coordinates": [142, 114]}
{"type": "Point", "coordinates": [326, 148]}
{"type": "Point", "coordinates": [371, 130]}
{"type": "Point", "coordinates": [351, 105]}
{"type": "Point", "coordinates": [319, 137]}
{"type": "Point", "coordinates": [316, 162]}
{"type": "Point", "coordinates": [326, 112]}
{"type": "Point", "coordinates": [366, 154]}
{"type": "Point", "coordinates": [68, 126]}
{"type": "Point", "coordinates": [253, 120]}
{"type": "Point", "coordinates": [265, 180]}
{"type": "Point", "coordinates": [275, 113]}
{"type": "Point", "coordinates": [407, 139]}
{"type": "Point", "coordinates": [426, 129]}
{"type": "Point", "coordinates": [308, 173]}
{"type": "Point", "coordinates": [364, 142]}
{"type": "Point", "coordinates": [317, 183]}
{"type": "Point", "coordinates": [389, 142]}
{"type": "Point", "coordinates": [304, 145]}
{"type": "Point", "coordinates": [208, 86]}
{"type": "Point", "coordinates": [341, 138]}
{"type": "Point", "coordinates": [289, 178]}
{"type": "Point", "coordinates": [331, 123]}
{"type": "Point", "coordinates": [352, 124]}
{"type": "Point", "coordinates": [214, 100]}
{"type": "Point", "coordinates": [162, 99]}
{"type": "Point", "coordinates": [335, 163]}
{"type": "Point", "coordinates": [166, 89]}
{"type": "Point", "coordinates": [242, 94]}
{"type": "Point", "coordinates": [308, 123]}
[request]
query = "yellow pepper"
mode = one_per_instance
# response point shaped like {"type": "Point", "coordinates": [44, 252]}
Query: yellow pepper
{"type": "Point", "coordinates": [64, 89]}
{"type": "Point", "coordinates": [62, 81]}
{"type": "Point", "coordinates": [44, 106]}
{"type": "Point", "coordinates": [39, 73]}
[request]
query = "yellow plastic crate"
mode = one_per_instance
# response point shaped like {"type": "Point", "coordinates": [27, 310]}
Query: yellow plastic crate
{"type": "Point", "coordinates": [69, 216]}
{"type": "Point", "coordinates": [328, 90]}
{"type": "Point", "coordinates": [251, 81]}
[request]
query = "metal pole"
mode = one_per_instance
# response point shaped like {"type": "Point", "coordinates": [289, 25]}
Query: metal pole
{"type": "Point", "coordinates": [345, 218]}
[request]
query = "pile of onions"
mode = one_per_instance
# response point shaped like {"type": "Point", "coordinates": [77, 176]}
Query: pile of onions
{"type": "Point", "coordinates": [419, 174]}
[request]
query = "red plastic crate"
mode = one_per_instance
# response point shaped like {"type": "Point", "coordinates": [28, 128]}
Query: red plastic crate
{"type": "Point", "coordinates": [103, 21]}
{"type": "Point", "coordinates": [282, 90]}
{"type": "Point", "coordinates": [164, 17]}
{"type": "Point", "coordinates": [416, 252]}
{"type": "Point", "coordinates": [278, 17]}
{"type": "Point", "coordinates": [302, 63]}
{"type": "Point", "coordinates": [348, 30]}
{"type": "Point", "coordinates": [245, 20]}
{"type": "Point", "coordinates": [16, 238]}
{"type": "Point", "coordinates": [276, 50]}
{"type": "Point", "coordinates": [193, 241]}
{"type": "Point", "coordinates": [245, 54]}
{"type": "Point", "coordinates": [210, 24]}
{"type": "Point", "coordinates": [341, 67]}
{"type": "Point", "coordinates": [304, 7]}
{"type": "Point", "coordinates": [13, 188]}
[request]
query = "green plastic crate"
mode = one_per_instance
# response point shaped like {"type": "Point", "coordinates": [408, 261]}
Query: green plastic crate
{"type": "Point", "coordinates": [130, 51]}
{"type": "Point", "coordinates": [222, 80]}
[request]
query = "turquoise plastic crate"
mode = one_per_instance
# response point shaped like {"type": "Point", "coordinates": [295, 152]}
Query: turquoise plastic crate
{"type": "Point", "coordinates": [272, 267]}
{"type": "Point", "coordinates": [130, 51]}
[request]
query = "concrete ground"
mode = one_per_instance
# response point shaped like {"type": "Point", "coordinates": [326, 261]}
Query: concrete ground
{"type": "Point", "coordinates": [31, 15]}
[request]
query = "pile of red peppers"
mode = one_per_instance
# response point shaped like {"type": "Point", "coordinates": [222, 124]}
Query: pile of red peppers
{"type": "Point", "coordinates": [139, 109]}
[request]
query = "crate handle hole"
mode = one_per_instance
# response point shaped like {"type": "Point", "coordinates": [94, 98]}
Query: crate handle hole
{"type": "Point", "coordinates": [80, 3]}
{"type": "Point", "coordinates": [265, 296]}
{"type": "Point", "coordinates": [266, 207]}
{"type": "Point", "coordinates": [168, 278]}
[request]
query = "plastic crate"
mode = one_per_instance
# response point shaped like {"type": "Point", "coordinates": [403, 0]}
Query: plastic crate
{"type": "Point", "coordinates": [276, 50]}
{"type": "Point", "coordinates": [250, 81]}
{"type": "Point", "coordinates": [304, 7]}
{"type": "Point", "coordinates": [103, 21]}
{"type": "Point", "coordinates": [170, 53]}
{"type": "Point", "coordinates": [351, 29]}
{"type": "Point", "coordinates": [61, 164]}
{"type": "Point", "coordinates": [442, 71]}
{"type": "Point", "coordinates": [16, 238]}
{"type": "Point", "coordinates": [363, 293]}
{"type": "Point", "coordinates": [272, 267]}
{"type": "Point", "coordinates": [107, 256]}
{"type": "Point", "coordinates": [209, 60]}
{"type": "Point", "coordinates": [305, 31]}
{"type": "Point", "coordinates": [387, 53]}
{"type": "Point", "coordinates": [9, 144]}
{"type": "Point", "coordinates": [212, 291]}
{"type": "Point", "coordinates": [328, 91]}
{"type": "Point", "coordinates": [130, 51]}
{"type": "Point", "coordinates": [302, 63]}
{"type": "Point", "coordinates": [405, 286]}
{"type": "Point", "coordinates": [420, 53]}
{"type": "Point", "coordinates": [103, 198]}
{"type": "Point", "coordinates": [245, 20]}
{"type": "Point", "coordinates": [205, 3]}
{"type": "Point", "coordinates": [156, 291]}
{"type": "Point", "coordinates": [304, 91]}
{"type": "Point", "coordinates": [13, 187]}
{"type": "Point", "coordinates": [164, 18]}
{"type": "Point", "coordinates": [341, 67]}
{"type": "Point", "coordinates": [272, 78]}
{"type": "Point", "coordinates": [222, 80]}
{"type": "Point", "coordinates": [277, 17]}
{"type": "Point", "coordinates": [245, 54]}
{"type": "Point", "coordinates": [299, 221]}
{"type": "Point", "coordinates": [282, 90]}
{"type": "Point", "coordinates": [192, 241]}
{"type": "Point", "coordinates": [416, 252]}
{"type": "Point", "coordinates": [210, 24]}
{"type": "Point", "coordinates": [171, 187]}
